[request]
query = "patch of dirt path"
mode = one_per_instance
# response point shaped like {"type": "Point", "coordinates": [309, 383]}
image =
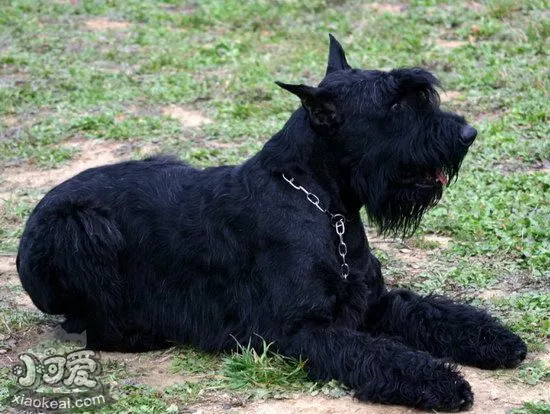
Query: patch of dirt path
{"type": "Point", "coordinates": [99, 24]}
{"type": "Point", "coordinates": [10, 285]}
{"type": "Point", "coordinates": [93, 153]}
{"type": "Point", "coordinates": [450, 44]}
{"type": "Point", "coordinates": [188, 117]}
{"type": "Point", "coordinates": [414, 259]}
{"type": "Point", "coordinates": [152, 369]}
{"type": "Point", "coordinates": [387, 8]}
{"type": "Point", "coordinates": [449, 96]}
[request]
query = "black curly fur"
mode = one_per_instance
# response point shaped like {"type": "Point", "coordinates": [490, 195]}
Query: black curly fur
{"type": "Point", "coordinates": [146, 254]}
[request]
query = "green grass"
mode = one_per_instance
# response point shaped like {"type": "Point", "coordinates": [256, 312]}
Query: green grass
{"type": "Point", "coordinates": [188, 360]}
{"type": "Point", "coordinates": [534, 373]}
{"type": "Point", "coordinates": [136, 399]}
{"type": "Point", "coordinates": [13, 212]}
{"type": "Point", "coordinates": [270, 370]}
{"type": "Point", "coordinates": [8, 383]}
{"type": "Point", "coordinates": [533, 408]}
{"type": "Point", "coordinates": [264, 374]}
{"type": "Point", "coordinates": [61, 82]}
{"type": "Point", "coordinates": [106, 125]}
{"type": "Point", "coordinates": [528, 315]}
{"type": "Point", "coordinates": [16, 320]}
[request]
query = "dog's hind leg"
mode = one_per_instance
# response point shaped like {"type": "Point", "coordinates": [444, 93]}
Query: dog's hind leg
{"type": "Point", "coordinates": [68, 263]}
{"type": "Point", "coordinates": [74, 324]}
{"type": "Point", "coordinates": [380, 369]}
{"type": "Point", "coordinates": [446, 329]}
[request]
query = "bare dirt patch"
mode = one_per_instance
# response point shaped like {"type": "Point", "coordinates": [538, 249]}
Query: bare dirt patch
{"type": "Point", "coordinates": [448, 96]}
{"type": "Point", "coordinates": [188, 117]}
{"type": "Point", "coordinates": [112, 67]}
{"type": "Point", "coordinates": [92, 154]}
{"type": "Point", "coordinates": [414, 259]}
{"type": "Point", "coordinates": [13, 79]}
{"type": "Point", "coordinates": [185, 9]}
{"type": "Point", "coordinates": [322, 405]}
{"type": "Point", "coordinates": [71, 2]}
{"type": "Point", "coordinates": [450, 44]}
{"type": "Point", "coordinates": [493, 293]}
{"type": "Point", "coordinates": [387, 8]}
{"type": "Point", "coordinates": [540, 167]}
{"type": "Point", "coordinates": [152, 369]}
{"type": "Point", "coordinates": [498, 395]}
{"type": "Point", "coordinates": [10, 285]}
{"type": "Point", "coordinates": [442, 241]}
{"type": "Point", "coordinates": [99, 24]}
{"type": "Point", "coordinates": [9, 121]}
{"type": "Point", "coordinates": [474, 5]}
{"type": "Point", "coordinates": [7, 264]}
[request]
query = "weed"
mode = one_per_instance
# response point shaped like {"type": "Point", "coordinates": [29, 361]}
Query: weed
{"type": "Point", "coordinates": [266, 369]}
{"type": "Point", "coordinates": [533, 373]}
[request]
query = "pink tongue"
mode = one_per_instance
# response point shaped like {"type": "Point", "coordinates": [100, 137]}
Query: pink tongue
{"type": "Point", "coordinates": [441, 177]}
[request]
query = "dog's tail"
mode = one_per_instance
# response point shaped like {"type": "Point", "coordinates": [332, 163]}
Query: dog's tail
{"type": "Point", "coordinates": [67, 259]}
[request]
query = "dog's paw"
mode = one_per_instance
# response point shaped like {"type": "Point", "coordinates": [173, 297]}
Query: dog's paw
{"type": "Point", "coordinates": [452, 394]}
{"type": "Point", "coordinates": [499, 348]}
{"type": "Point", "coordinates": [516, 353]}
{"type": "Point", "coordinates": [425, 384]}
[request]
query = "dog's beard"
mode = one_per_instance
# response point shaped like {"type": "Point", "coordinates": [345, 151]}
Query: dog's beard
{"type": "Point", "coordinates": [399, 211]}
{"type": "Point", "coordinates": [396, 205]}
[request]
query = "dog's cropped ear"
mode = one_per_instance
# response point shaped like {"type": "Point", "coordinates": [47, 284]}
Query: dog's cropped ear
{"type": "Point", "coordinates": [318, 103]}
{"type": "Point", "coordinates": [336, 56]}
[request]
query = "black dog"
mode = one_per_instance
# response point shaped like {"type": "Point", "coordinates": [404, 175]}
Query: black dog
{"type": "Point", "coordinates": [145, 254]}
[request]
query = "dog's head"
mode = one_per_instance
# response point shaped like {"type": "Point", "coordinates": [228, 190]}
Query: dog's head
{"type": "Point", "coordinates": [399, 149]}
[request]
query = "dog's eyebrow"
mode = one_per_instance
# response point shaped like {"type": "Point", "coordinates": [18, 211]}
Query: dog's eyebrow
{"type": "Point", "coordinates": [414, 80]}
{"type": "Point", "coordinates": [383, 90]}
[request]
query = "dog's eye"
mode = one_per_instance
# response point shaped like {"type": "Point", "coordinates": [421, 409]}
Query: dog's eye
{"type": "Point", "coordinates": [396, 106]}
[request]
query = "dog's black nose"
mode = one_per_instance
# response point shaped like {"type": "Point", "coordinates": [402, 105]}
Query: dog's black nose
{"type": "Point", "coordinates": [468, 134]}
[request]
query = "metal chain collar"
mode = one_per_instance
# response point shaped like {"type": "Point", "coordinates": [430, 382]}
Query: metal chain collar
{"type": "Point", "coordinates": [336, 220]}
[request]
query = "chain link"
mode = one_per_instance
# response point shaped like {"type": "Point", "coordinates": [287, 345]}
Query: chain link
{"type": "Point", "coordinates": [336, 220]}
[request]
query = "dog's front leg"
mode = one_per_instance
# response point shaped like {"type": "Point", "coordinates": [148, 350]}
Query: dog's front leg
{"type": "Point", "coordinates": [380, 369]}
{"type": "Point", "coordinates": [446, 329]}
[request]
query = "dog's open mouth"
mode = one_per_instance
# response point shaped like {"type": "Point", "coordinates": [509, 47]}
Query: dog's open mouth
{"type": "Point", "coordinates": [426, 179]}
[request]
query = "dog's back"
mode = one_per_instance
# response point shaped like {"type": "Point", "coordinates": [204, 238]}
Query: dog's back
{"type": "Point", "coordinates": [104, 249]}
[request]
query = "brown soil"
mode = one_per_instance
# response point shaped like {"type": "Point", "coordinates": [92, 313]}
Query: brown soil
{"type": "Point", "coordinates": [9, 121]}
{"type": "Point", "coordinates": [540, 167]}
{"type": "Point", "coordinates": [92, 154]}
{"type": "Point", "coordinates": [387, 8]}
{"type": "Point", "coordinates": [442, 241]}
{"type": "Point", "coordinates": [449, 96]}
{"type": "Point", "coordinates": [106, 24]}
{"type": "Point", "coordinates": [413, 258]}
{"type": "Point", "coordinates": [450, 44]}
{"type": "Point", "coordinates": [188, 117]}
